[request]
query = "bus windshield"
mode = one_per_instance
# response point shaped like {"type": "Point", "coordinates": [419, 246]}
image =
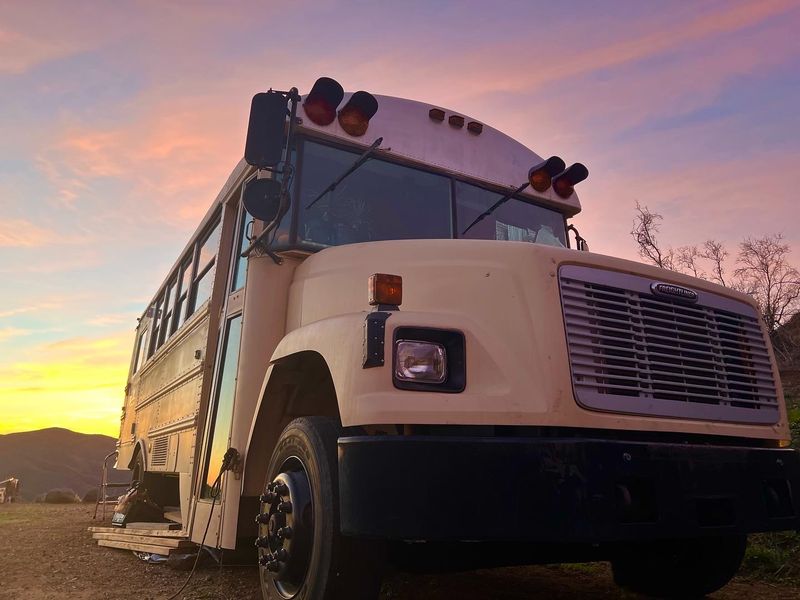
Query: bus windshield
{"type": "Point", "coordinates": [388, 201]}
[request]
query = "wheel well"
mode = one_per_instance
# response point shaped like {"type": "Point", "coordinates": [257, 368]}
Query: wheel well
{"type": "Point", "coordinates": [300, 385]}
{"type": "Point", "coordinates": [139, 449]}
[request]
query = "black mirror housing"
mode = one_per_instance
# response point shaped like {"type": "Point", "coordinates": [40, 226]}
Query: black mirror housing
{"type": "Point", "coordinates": [266, 131]}
{"type": "Point", "coordinates": [262, 199]}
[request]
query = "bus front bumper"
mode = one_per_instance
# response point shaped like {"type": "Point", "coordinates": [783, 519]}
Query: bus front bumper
{"type": "Point", "coordinates": [561, 490]}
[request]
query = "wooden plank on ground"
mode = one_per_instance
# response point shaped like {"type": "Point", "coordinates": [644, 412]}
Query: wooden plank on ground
{"type": "Point", "coordinates": [145, 539]}
{"type": "Point", "coordinates": [163, 550]}
{"type": "Point", "coordinates": [174, 515]}
{"type": "Point", "coordinates": [154, 526]}
{"type": "Point", "coordinates": [173, 533]}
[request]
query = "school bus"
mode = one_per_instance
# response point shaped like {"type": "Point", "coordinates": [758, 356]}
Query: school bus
{"type": "Point", "coordinates": [386, 342]}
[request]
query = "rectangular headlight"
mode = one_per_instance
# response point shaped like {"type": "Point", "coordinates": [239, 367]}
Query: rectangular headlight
{"type": "Point", "coordinates": [423, 362]}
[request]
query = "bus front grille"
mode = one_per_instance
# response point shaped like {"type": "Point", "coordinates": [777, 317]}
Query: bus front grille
{"type": "Point", "coordinates": [636, 352]}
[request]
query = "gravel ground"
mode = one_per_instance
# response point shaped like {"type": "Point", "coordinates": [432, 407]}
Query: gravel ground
{"type": "Point", "coordinates": [46, 552]}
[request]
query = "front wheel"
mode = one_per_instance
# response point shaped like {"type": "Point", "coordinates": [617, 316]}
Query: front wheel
{"type": "Point", "coordinates": [302, 554]}
{"type": "Point", "coordinates": [681, 568]}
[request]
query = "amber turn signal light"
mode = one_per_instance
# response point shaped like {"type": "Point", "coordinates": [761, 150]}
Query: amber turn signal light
{"type": "Point", "coordinates": [355, 115]}
{"type": "Point", "coordinates": [541, 175]}
{"type": "Point", "coordinates": [564, 184]}
{"type": "Point", "coordinates": [321, 102]}
{"type": "Point", "coordinates": [385, 289]}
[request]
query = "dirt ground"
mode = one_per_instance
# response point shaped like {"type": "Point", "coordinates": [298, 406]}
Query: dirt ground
{"type": "Point", "coordinates": [46, 552]}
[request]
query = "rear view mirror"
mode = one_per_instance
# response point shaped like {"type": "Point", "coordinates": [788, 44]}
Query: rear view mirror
{"type": "Point", "coordinates": [262, 199]}
{"type": "Point", "coordinates": [266, 130]}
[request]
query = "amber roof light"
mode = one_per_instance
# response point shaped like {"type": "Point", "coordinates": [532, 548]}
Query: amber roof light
{"type": "Point", "coordinates": [321, 102]}
{"type": "Point", "coordinates": [355, 115]}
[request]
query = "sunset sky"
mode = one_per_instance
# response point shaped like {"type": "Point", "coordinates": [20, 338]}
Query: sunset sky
{"type": "Point", "coordinates": [120, 121]}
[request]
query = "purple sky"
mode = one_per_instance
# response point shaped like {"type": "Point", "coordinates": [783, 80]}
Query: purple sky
{"type": "Point", "coordinates": [120, 122]}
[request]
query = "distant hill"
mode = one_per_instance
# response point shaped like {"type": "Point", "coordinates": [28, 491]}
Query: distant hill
{"type": "Point", "coordinates": [56, 458]}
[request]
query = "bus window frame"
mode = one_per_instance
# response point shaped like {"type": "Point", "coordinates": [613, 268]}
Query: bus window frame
{"type": "Point", "coordinates": [140, 350]}
{"type": "Point", "coordinates": [240, 233]}
{"type": "Point", "coordinates": [197, 274]}
{"type": "Point", "coordinates": [156, 307]}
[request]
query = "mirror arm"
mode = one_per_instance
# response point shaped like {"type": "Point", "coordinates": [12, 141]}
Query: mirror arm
{"type": "Point", "coordinates": [580, 241]}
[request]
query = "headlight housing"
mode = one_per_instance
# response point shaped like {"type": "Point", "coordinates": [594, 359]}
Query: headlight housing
{"type": "Point", "coordinates": [426, 359]}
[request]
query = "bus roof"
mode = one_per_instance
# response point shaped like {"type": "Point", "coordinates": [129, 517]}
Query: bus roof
{"type": "Point", "coordinates": [409, 132]}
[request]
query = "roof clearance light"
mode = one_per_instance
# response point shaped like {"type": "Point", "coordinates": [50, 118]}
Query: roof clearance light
{"type": "Point", "coordinates": [385, 289]}
{"type": "Point", "coordinates": [475, 127]}
{"type": "Point", "coordinates": [541, 175]}
{"type": "Point", "coordinates": [456, 121]}
{"type": "Point", "coordinates": [321, 102]}
{"type": "Point", "coordinates": [355, 115]}
{"type": "Point", "coordinates": [436, 114]}
{"type": "Point", "coordinates": [564, 184]}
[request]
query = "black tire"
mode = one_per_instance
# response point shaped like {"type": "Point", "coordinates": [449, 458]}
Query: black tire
{"type": "Point", "coordinates": [320, 564]}
{"type": "Point", "coordinates": [679, 569]}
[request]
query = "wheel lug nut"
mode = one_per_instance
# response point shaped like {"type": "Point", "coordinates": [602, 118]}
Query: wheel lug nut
{"type": "Point", "coordinates": [268, 498]}
{"type": "Point", "coordinates": [272, 485]}
{"type": "Point", "coordinates": [262, 542]}
{"type": "Point", "coordinates": [273, 566]}
{"type": "Point", "coordinates": [282, 555]}
{"type": "Point", "coordinates": [265, 560]}
{"type": "Point", "coordinates": [262, 518]}
{"type": "Point", "coordinates": [285, 533]}
{"type": "Point", "coordinates": [281, 489]}
{"type": "Point", "coordinates": [285, 507]}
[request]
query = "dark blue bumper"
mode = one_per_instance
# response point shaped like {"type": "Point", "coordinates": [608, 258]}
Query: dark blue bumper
{"type": "Point", "coordinates": [561, 490]}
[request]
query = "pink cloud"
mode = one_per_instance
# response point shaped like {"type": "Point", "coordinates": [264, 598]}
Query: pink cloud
{"type": "Point", "coordinates": [19, 233]}
{"type": "Point", "coordinates": [20, 52]}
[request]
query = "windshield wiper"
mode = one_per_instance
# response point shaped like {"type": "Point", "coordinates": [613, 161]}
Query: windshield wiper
{"type": "Point", "coordinates": [360, 161]}
{"type": "Point", "coordinates": [494, 206]}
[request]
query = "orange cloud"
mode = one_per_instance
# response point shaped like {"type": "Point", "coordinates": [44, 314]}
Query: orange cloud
{"type": "Point", "coordinates": [20, 233]}
{"type": "Point", "coordinates": [27, 309]}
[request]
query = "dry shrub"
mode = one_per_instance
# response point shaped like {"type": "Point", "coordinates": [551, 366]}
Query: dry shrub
{"type": "Point", "coordinates": [61, 496]}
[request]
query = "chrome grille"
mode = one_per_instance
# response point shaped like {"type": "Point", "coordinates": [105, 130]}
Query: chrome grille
{"type": "Point", "coordinates": [634, 352]}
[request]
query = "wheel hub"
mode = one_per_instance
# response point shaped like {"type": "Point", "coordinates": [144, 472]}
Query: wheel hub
{"type": "Point", "coordinates": [285, 529]}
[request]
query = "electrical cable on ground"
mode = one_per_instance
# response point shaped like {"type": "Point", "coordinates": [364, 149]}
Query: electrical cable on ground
{"type": "Point", "coordinates": [227, 463]}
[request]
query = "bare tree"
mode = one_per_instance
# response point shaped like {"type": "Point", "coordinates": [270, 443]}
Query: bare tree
{"type": "Point", "coordinates": [764, 272]}
{"type": "Point", "coordinates": [645, 229]}
{"type": "Point", "coordinates": [686, 261]}
{"type": "Point", "coordinates": [715, 252]}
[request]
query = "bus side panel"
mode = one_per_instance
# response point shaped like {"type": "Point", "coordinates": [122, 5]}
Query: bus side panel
{"type": "Point", "coordinates": [165, 398]}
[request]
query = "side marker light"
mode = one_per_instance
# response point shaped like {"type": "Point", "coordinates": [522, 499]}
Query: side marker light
{"type": "Point", "coordinates": [385, 289]}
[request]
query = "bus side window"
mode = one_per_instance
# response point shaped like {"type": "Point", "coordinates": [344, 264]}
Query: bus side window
{"type": "Point", "coordinates": [157, 310]}
{"type": "Point", "coordinates": [206, 263]}
{"type": "Point", "coordinates": [141, 351]}
{"type": "Point", "coordinates": [169, 305]}
{"type": "Point", "coordinates": [183, 292]}
{"type": "Point", "coordinates": [240, 262]}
